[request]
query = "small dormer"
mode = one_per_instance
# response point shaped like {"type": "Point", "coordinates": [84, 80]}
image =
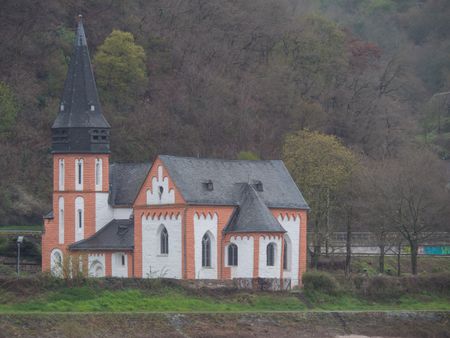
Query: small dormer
{"type": "Point", "coordinates": [208, 185]}
{"type": "Point", "coordinates": [258, 185]}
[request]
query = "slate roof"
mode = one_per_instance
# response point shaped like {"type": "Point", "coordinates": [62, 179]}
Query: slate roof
{"type": "Point", "coordinates": [80, 91]}
{"type": "Point", "coordinates": [125, 181]}
{"type": "Point", "coordinates": [252, 215]}
{"type": "Point", "coordinates": [190, 174]}
{"type": "Point", "coordinates": [116, 235]}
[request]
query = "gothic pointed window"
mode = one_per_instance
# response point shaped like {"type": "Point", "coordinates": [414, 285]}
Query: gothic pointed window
{"type": "Point", "coordinates": [270, 254]}
{"type": "Point", "coordinates": [164, 241]}
{"type": "Point", "coordinates": [206, 251]}
{"type": "Point", "coordinates": [232, 255]}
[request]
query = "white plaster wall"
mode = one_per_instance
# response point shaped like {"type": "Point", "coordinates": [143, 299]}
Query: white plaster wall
{"type": "Point", "coordinates": [104, 213]}
{"type": "Point", "coordinates": [154, 264]}
{"type": "Point", "coordinates": [264, 270]}
{"type": "Point", "coordinates": [292, 226]}
{"type": "Point", "coordinates": [79, 230]}
{"type": "Point", "coordinates": [117, 269]}
{"type": "Point", "coordinates": [153, 194]}
{"type": "Point", "coordinates": [93, 260]}
{"type": "Point", "coordinates": [202, 224]}
{"type": "Point", "coordinates": [122, 213]}
{"type": "Point", "coordinates": [245, 245]}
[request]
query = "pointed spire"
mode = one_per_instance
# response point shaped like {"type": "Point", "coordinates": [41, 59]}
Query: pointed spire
{"type": "Point", "coordinates": [80, 106]}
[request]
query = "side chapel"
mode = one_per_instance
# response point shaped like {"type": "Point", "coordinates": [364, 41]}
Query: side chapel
{"type": "Point", "coordinates": [177, 217]}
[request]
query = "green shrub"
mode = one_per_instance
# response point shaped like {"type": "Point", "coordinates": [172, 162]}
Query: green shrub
{"type": "Point", "coordinates": [384, 288]}
{"type": "Point", "coordinates": [320, 281]}
{"type": "Point", "coordinates": [431, 283]}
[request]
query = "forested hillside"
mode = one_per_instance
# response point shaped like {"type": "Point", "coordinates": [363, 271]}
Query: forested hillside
{"type": "Point", "coordinates": [222, 79]}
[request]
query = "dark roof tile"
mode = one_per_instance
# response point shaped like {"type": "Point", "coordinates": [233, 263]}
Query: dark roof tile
{"type": "Point", "coordinates": [252, 215]}
{"type": "Point", "coordinates": [189, 175]}
{"type": "Point", "coordinates": [125, 181]}
{"type": "Point", "coordinates": [116, 235]}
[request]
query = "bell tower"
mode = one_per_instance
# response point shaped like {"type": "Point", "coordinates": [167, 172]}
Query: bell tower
{"type": "Point", "coordinates": [80, 149]}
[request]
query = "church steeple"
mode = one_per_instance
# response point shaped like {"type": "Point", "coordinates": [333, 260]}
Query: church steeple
{"type": "Point", "coordinates": [80, 126]}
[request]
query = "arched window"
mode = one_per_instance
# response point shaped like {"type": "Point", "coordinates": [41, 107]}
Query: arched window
{"type": "Point", "coordinates": [61, 174]}
{"type": "Point", "coordinates": [96, 269]}
{"type": "Point", "coordinates": [232, 255]}
{"type": "Point", "coordinates": [56, 263]}
{"type": "Point", "coordinates": [164, 241]}
{"type": "Point", "coordinates": [206, 251]}
{"type": "Point", "coordinates": [270, 254]}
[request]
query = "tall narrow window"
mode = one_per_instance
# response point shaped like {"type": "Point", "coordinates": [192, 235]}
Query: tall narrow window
{"type": "Point", "coordinates": [285, 255]}
{"type": "Point", "coordinates": [79, 174]}
{"type": "Point", "coordinates": [79, 218]}
{"type": "Point", "coordinates": [270, 254]}
{"type": "Point", "coordinates": [206, 251]}
{"type": "Point", "coordinates": [164, 238]}
{"type": "Point", "coordinates": [61, 174]}
{"type": "Point", "coordinates": [61, 220]}
{"type": "Point", "coordinates": [123, 260]}
{"type": "Point", "coordinates": [232, 255]}
{"type": "Point", "coordinates": [98, 174]}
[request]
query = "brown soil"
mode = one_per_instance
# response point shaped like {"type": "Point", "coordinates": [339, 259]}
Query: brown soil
{"type": "Point", "coordinates": [308, 324]}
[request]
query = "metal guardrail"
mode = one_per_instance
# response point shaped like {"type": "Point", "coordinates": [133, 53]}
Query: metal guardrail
{"type": "Point", "coordinates": [17, 231]}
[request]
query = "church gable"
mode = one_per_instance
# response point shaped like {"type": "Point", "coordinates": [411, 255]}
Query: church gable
{"type": "Point", "coordinates": [158, 188]}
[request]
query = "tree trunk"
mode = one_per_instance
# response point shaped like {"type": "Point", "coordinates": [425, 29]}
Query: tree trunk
{"type": "Point", "coordinates": [414, 252]}
{"type": "Point", "coordinates": [317, 240]}
{"type": "Point", "coordinates": [399, 256]}
{"type": "Point", "coordinates": [315, 256]}
{"type": "Point", "coordinates": [381, 259]}
{"type": "Point", "coordinates": [348, 244]}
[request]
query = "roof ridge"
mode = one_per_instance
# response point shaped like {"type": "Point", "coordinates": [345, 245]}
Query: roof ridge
{"type": "Point", "coordinates": [217, 159]}
{"type": "Point", "coordinates": [149, 162]}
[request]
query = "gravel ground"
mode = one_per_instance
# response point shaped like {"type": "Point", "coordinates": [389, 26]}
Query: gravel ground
{"type": "Point", "coordinates": [280, 325]}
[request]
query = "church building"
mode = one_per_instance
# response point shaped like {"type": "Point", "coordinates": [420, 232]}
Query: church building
{"type": "Point", "coordinates": [177, 217]}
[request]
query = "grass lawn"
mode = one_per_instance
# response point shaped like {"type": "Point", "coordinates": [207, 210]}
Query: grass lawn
{"type": "Point", "coordinates": [167, 299]}
{"type": "Point", "coordinates": [84, 299]}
